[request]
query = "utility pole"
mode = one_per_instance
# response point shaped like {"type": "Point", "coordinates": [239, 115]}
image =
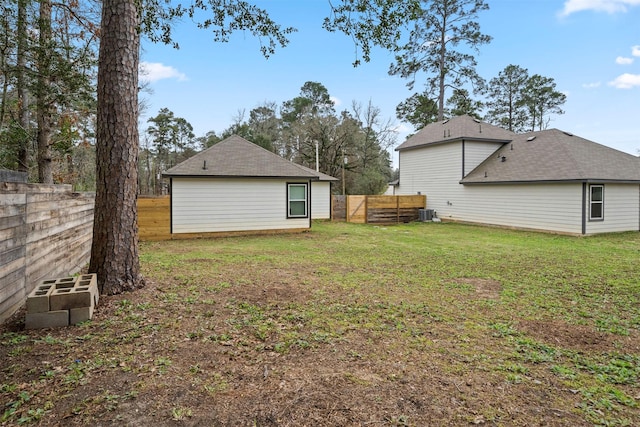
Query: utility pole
{"type": "Point", "coordinates": [344, 160]}
{"type": "Point", "coordinates": [317, 161]}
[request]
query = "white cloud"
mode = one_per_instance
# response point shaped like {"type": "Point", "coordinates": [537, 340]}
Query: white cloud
{"type": "Point", "coordinates": [336, 101]}
{"type": "Point", "coordinates": [626, 81]}
{"type": "Point", "coordinates": [591, 85]}
{"type": "Point", "coordinates": [635, 50]}
{"type": "Point", "coordinates": [608, 6]}
{"type": "Point", "coordinates": [154, 71]}
{"type": "Point", "coordinates": [403, 128]}
{"type": "Point", "coordinates": [621, 60]}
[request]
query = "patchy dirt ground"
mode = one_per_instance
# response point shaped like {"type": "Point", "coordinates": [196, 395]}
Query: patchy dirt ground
{"type": "Point", "coordinates": [268, 345]}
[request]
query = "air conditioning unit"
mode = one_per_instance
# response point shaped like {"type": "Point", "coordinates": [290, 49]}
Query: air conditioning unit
{"type": "Point", "coordinates": [425, 215]}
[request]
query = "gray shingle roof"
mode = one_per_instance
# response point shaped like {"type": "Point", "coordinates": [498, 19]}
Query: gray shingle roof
{"type": "Point", "coordinates": [454, 129]}
{"type": "Point", "coordinates": [553, 155]}
{"type": "Point", "coordinates": [321, 176]}
{"type": "Point", "coordinates": [237, 157]}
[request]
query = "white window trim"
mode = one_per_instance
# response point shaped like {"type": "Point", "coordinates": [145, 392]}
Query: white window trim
{"type": "Point", "coordinates": [599, 202]}
{"type": "Point", "coordinates": [305, 200]}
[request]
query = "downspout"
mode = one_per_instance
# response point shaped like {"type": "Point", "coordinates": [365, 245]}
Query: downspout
{"type": "Point", "coordinates": [584, 208]}
{"type": "Point", "coordinates": [463, 158]}
{"type": "Point", "coordinates": [171, 206]}
{"type": "Point", "coordinates": [310, 203]}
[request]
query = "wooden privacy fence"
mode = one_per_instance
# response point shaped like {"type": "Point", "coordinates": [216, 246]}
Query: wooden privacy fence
{"type": "Point", "coordinates": [377, 209]}
{"type": "Point", "coordinates": [154, 216]}
{"type": "Point", "coordinates": [45, 232]}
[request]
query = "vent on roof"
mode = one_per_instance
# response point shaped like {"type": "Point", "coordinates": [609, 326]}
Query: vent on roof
{"type": "Point", "coordinates": [531, 138]}
{"type": "Point", "coordinates": [204, 165]}
{"type": "Point", "coordinates": [445, 122]}
{"type": "Point", "coordinates": [568, 133]}
{"type": "Point", "coordinates": [476, 120]}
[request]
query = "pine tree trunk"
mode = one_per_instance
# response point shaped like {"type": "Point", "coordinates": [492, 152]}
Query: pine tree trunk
{"type": "Point", "coordinates": [442, 73]}
{"type": "Point", "coordinates": [43, 104]}
{"type": "Point", "coordinates": [23, 97]}
{"type": "Point", "coordinates": [114, 251]}
{"type": "Point", "coordinates": [45, 162]}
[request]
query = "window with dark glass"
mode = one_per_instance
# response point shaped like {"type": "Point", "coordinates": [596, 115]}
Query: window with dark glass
{"type": "Point", "coordinates": [596, 202]}
{"type": "Point", "coordinates": [297, 200]}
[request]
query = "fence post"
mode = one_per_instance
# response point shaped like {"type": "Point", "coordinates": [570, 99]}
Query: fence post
{"type": "Point", "coordinates": [347, 211]}
{"type": "Point", "coordinates": [366, 209]}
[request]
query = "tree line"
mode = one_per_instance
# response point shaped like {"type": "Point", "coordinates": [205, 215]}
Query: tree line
{"type": "Point", "coordinates": [434, 45]}
{"type": "Point", "coordinates": [48, 104]}
{"type": "Point", "coordinates": [513, 100]}
{"type": "Point", "coordinates": [48, 63]}
{"type": "Point", "coordinates": [350, 145]}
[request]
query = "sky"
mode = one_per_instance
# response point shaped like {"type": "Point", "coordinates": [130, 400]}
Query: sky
{"type": "Point", "coordinates": [591, 48]}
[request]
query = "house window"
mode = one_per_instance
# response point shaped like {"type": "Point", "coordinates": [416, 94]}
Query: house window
{"type": "Point", "coordinates": [596, 202]}
{"type": "Point", "coordinates": [297, 200]}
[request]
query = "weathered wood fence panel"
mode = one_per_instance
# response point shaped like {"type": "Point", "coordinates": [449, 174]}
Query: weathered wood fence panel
{"type": "Point", "coordinates": [378, 209]}
{"type": "Point", "coordinates": [45, 232]}
{"type": "Point", "coordinates": [338, 208]}
{"type": "Point", "coordinates": [154, 216]}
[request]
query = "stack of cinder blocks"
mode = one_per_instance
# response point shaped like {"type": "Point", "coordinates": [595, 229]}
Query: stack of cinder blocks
{"type": "Point", "coordinates": [62, 302]}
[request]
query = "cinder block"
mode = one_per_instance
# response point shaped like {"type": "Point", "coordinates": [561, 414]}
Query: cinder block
{"type": "Point", "coordinates": [38, 299]}
{"type": "Point", "coordinates": [93, 278]}
{"type": "Point", "coordinates": [62, 302]}
{"type": "Point", "coordinates": [90, 281]}
{"type": "Point", "coordinates": [50, 319]}
{"type": "Point", "coordinates": [68, 298]}
{"type": "Point", "coordinates": [82, 314]}
{"type": "Point", "coordinates": [65, 282]}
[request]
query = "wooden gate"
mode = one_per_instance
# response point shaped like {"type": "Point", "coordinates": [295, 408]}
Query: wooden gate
{"type": "Point", "coordinates": [357, 209]}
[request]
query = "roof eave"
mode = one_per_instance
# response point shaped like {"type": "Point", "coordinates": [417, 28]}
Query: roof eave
{"type": "Point", "coordinates": [458, 139]}
{"type": "Point", "coordinates": [310, 178]}
{"type": "Point", "coordinates": [553, 181]}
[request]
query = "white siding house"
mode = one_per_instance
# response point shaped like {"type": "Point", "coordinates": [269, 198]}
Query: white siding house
{"type": "Point", "coordinates": [321, 200]}
{"type": "Point", "coordinates": [237, 186]}
{"type": "Point", "coordinates": [549, 180]}
{"type": "Point", "coordinates": [231, 204]}
{"type": "Point", "coordinates": [552, 207]}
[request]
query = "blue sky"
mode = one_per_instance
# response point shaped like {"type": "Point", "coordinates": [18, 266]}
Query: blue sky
{"type": "Point", "coordinates": [591, 48]}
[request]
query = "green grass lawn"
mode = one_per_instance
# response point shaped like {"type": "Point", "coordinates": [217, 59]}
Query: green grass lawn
{"type": "Point", "coordinates": [416, 324]}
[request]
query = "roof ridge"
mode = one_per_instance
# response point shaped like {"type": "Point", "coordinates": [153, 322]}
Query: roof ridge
{"type": "Point", "coordinates": [555, 155]}
{"type": "Point", "coordinates": [457, 128]}
{"type": "Point", "coordinates": [236, 156]}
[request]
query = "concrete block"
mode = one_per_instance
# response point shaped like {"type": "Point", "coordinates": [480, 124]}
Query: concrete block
{"type": "Point", "coordinates": [82, 314]}
{"type": "Point", "coordinates": [50, 319]}
{"type": "Point", "coordinates": [68, 298]}
{"type": "Point", "coordinates": [38, 299]}
{"type": "Point", "coordinates": [93, 278]}
{"type": "Point", "coordinates": [62, 302]}
{"type": "Point", "coordinates": [90, 281]}
{"type": "Point", "coordinates": [65, 282]}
